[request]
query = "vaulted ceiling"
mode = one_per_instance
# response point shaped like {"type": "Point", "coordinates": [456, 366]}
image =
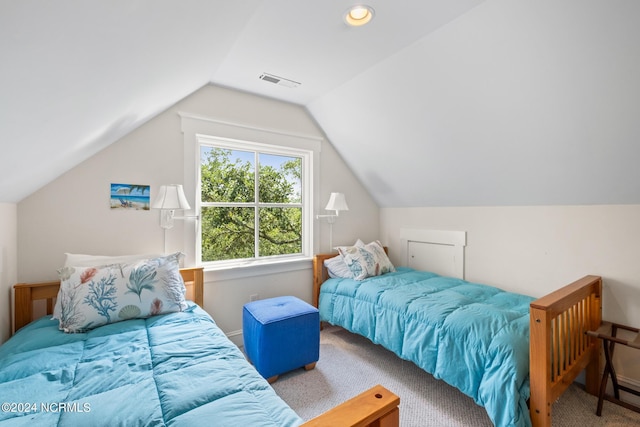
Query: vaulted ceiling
{"type": "Point", "coordinates": [434, 103]}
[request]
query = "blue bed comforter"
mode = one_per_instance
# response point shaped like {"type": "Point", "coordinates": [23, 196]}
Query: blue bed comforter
{"type": "Point", "coordinates": [177, 369]}
{"type": "Point", "coordinates": [475, 337]}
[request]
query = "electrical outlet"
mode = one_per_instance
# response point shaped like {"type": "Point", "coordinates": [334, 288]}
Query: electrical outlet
{"type": "Point", "coordinates": [254, 297]}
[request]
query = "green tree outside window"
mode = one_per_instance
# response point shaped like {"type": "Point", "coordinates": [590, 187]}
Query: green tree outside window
{"type": "Point", "coordinates": [251, 204]}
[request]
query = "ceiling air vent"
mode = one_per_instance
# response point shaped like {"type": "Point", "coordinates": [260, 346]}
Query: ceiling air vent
{"type": "Point", "coordinates": [278, 80]}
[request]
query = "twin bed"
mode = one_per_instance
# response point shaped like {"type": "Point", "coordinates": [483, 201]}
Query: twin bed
{"type": "Point", "coordinates": [171, 369]}
{"type": "Point", "coordinates": [512, 354]}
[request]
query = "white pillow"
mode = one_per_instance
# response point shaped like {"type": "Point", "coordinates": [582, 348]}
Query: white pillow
{"type": "Point", "coordinates": [337, 268]}
{"type": "Point", "coordinates": [83, 260]}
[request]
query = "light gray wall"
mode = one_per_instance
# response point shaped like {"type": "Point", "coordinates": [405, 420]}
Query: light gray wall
{"type": "Point", "coordinates": [72, 214]}
{"type": "Point", "coordinates": [513, 103]}
{"type": "Point", "coordinates": [535, 250]}
{"type": "Point", "coordinates": [8, 265]}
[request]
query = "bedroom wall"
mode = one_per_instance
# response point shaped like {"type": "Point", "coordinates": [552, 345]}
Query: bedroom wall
{"type": "Point", "coordinates": [8, 265]}
{"type": "Point", "coordinates": [536, 249]}
{"type": "Point", "coordinates": [72, 213]}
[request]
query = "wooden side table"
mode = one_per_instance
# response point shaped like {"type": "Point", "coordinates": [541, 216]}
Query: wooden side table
{"type": "Point", "coordinates": [607, 333]}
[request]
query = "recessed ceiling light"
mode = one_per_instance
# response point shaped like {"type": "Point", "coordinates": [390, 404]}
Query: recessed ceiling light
{"type": "Point", "coordinates": [358, 15]}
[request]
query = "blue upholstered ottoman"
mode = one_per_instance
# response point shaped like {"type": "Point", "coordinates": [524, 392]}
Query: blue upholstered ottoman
{"type": "Point", "coordinates": [281, 334]}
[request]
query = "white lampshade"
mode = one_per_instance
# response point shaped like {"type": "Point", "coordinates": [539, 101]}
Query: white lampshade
{"type": "Point", "coordinates": [337, 202]}
{"type": "Point", "coordinates": [170, 197]}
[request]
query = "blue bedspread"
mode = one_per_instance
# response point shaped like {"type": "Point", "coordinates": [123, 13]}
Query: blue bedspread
{"type": "Point", "coordinates": [474, 337]}
{"type": "Point", "coordinates": [177, 369]}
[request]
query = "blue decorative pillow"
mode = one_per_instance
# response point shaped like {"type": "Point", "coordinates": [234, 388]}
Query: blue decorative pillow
{"type": "Point", "coordinates": [366, 261]}
{"type": "Point", "coordinates": [93, 296]}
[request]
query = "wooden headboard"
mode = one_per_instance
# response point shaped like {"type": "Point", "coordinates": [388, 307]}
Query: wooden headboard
{"type": "Point", "coordinates": [320, 274]}
{"type": "Point", "coordinates": [27, 293]}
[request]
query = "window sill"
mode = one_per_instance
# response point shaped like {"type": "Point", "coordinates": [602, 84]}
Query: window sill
{"type": "Point", "coordinates": [252, 269]}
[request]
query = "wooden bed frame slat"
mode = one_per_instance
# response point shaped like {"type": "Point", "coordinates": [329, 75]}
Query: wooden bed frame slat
{"type": "Point", "coordinates": [376, 407]}
{"type": "Point", "coordinates": [559, 349]}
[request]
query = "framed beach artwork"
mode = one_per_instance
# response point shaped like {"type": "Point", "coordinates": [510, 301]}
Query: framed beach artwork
{"type": "Point", "coordinates": [130, 196]}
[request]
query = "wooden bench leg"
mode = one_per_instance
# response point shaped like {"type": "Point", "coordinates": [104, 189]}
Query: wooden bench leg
{"type": "Point", "coordinates": [309, 366]}
{"type": "Point", "coordinates": [603, 387]}
{"type": "Point", "coordinates": [608, 347]}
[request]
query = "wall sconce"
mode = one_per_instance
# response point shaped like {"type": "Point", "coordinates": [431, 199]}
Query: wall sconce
{"type": "Point", "coordinates": [171, 197]}
{"type": "Point", "coordinates": [337, 203]}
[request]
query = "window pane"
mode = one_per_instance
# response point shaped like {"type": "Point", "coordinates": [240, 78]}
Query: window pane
{"type": "Point", "coordinates": [227, 175]}
{"type": "Point", "coordinates": [227, 233]}
{"type": "Point", "coordinates": [280, 231]}
{"type": "Point", "coordinates": [280, 179]}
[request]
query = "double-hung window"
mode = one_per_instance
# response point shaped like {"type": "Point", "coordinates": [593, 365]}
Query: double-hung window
{"type": "Point", "coordinates": [254, 201]}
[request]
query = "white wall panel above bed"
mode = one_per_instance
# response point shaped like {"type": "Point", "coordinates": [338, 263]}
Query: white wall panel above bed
{"type": "Point", "coordinates": [438, 251]}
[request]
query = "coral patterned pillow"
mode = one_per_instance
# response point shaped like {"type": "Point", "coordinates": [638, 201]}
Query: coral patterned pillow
{"type": "Point", "coordinates": [93, 296]}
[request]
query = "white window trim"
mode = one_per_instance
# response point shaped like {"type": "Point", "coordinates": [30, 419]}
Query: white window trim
{"type": "Point", "coordinates": [196, 127]}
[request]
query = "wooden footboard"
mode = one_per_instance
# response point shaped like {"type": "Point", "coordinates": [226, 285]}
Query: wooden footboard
{"type": "Point", "coordinates": [559, 348]}
{"type": "Point", "coordinates": [376, 407]}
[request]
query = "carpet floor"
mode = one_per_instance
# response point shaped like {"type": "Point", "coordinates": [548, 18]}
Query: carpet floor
{"type": "Point", "coordinates": [350, 364]}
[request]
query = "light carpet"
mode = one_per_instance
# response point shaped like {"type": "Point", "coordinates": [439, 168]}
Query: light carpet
{"type": "Point", "coordinates": [350, 364]}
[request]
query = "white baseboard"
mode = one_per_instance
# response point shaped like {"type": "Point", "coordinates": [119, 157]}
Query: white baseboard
{"type": "Point", "coordinates": [628, 382]}
{"type": "Point", "coordinates": [236, 337]}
